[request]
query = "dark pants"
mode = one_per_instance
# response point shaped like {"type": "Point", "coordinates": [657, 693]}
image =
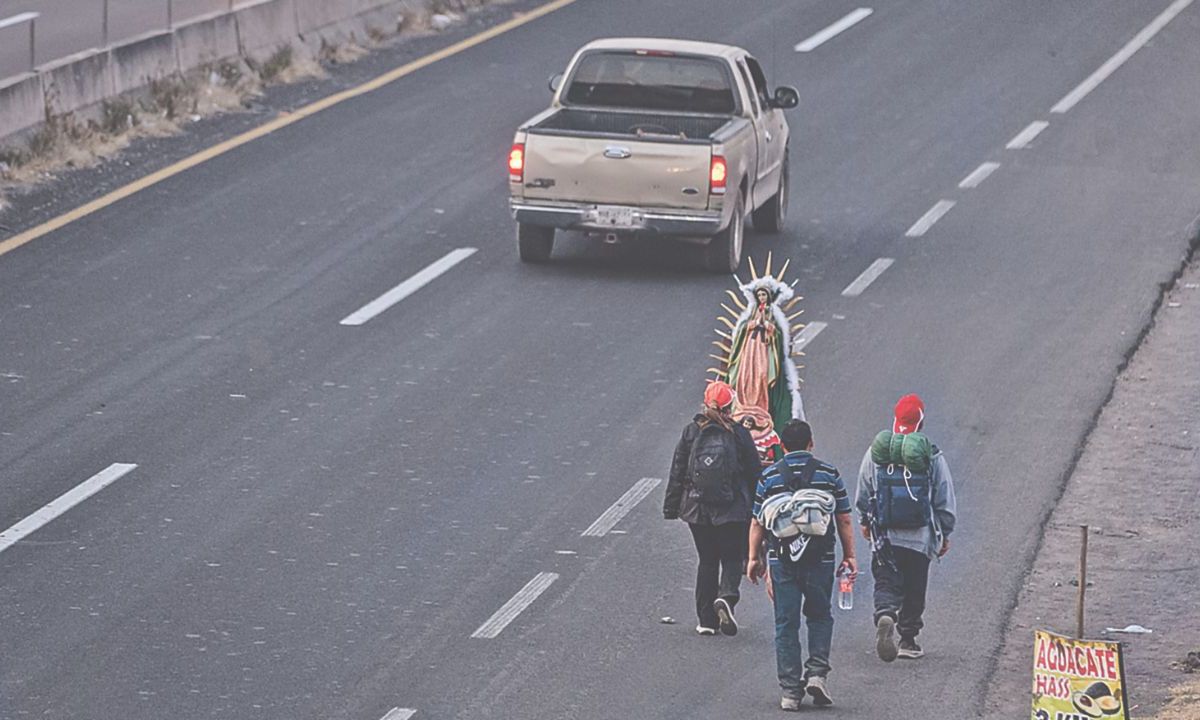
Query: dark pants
{"type": "Point", "coordinates": [900, 590]}
{"type": "Point", "coordinates": [802, 588]}
{"type": "Point", "coordinates": [722, 550]}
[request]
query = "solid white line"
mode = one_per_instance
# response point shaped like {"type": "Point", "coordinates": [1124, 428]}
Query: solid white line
{"type": "Point", "coordinates": [610, 517]}
{"type": "Point", "coordinates": [935, 213]}
{"type": "Point", "coordinates": [399, 714]}
{"type": "Point", "coordinates": [807, 335]}
{"type": "Point", "coordinates": [1027, 135]}
{"type": "Point", "coordinates": [868, 276]}
{"type": "Point", "coordinates": [1110, 66]}
{"type": "Point", "coordinates": [408, 287]}
{"type": "Point", "coordinates": [978, 175]}
{"type": "Point", "coordinates": [511, 609]}
{"type": "Point", "coordinates": [63, 503]}
{"type": "Point", "coordinates": [854, 18]}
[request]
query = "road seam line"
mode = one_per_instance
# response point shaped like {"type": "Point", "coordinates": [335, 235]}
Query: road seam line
{"type": "Point", "coordinates": [978, 175]}
{"type": "Point", "coordinates": [807, 335]}
{"type": "Point", "coordinates": [847, 22]}
{"type": "Point", "coordinates": [282, 121]}
{"type": "Point", "coordinates": [867, 277]}
{"type": "Point", "coordinates": [1110, 66]}
{"type": "Point", "coordinates": [515, 606]}
{"type": "Point", "coordinates": [399, 714]}
{"type": "Point", "coordinates": [931, 216]}
{"type": "Point", "coordinates": [1022, 139]}
{"type": "Point", "coordinates": [408, 287]}
{"type": "Point", "coordinates": [618, 510]}
{"type": "Point", "coordinates": [63, 503]}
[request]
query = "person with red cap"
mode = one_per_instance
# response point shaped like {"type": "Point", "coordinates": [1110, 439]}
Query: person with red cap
{"type": "Point", "coordinates": [711, 488]}
{"type": "Point", "coordinates": [907, 510]}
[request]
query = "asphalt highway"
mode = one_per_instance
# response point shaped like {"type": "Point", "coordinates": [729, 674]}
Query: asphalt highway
{"type": "Point", "coordinates": [322, 515]}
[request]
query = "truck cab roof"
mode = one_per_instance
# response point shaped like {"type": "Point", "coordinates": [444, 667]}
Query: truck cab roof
{"type": "Point", "coordinates": [666, 45]}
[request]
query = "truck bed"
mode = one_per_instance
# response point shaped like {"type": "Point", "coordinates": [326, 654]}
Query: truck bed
{"type": "Point", "coordinates": [682, 128]}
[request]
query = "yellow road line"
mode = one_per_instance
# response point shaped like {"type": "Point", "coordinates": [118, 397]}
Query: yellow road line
{"type": "Point", "coordinates": [282, 121]}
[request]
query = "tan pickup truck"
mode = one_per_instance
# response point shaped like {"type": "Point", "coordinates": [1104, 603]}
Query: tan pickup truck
{"type": "Point", "coordinates": [654, 137]}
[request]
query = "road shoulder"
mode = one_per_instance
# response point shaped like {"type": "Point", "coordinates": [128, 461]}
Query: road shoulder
{"type": "Point", "coordinates": [1135, 487]}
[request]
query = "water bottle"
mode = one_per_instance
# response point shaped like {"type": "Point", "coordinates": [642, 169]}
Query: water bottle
{"type": "Point", "coordinates": [845, 591]}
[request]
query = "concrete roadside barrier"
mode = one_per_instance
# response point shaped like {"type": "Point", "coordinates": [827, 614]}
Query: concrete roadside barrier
{"type": "Point", "coordinates": [206, 40]}
{"type": "Point", "coordinates": [77, 81]}
{"type": "Point", "coordinates": [254, 32]}
{"type": "Point", "coordinates": [22, 103]}
{"type": "Point", "coordinates": [264, 27]}
{"type": "Point", "coordinates": [137, 63]}
{"type": "Point", "coordinates": [336, 22]}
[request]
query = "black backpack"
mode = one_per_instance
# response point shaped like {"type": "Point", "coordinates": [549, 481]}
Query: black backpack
{"type": "Point", "coordinates": [713, 467]}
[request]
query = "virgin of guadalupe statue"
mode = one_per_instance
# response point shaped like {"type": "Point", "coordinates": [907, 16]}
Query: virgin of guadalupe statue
{"type": "Point", "coordinates": [757, 360]}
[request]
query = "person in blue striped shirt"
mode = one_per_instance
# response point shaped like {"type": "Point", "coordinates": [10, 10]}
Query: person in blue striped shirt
{"type": "Point", "coordinates": [800, 569]}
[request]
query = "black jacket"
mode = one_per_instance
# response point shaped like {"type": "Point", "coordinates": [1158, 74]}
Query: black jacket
{"type": "Point", "coordinates": [681, 501]}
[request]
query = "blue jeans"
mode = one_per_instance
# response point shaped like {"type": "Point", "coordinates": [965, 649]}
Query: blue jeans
{"type": "Point", "coordinates": [802, 588]}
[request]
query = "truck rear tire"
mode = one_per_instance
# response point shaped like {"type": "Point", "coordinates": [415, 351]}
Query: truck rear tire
{"type": "Point", "coordinates": [534, 242]}
{"type": "Point", "coordinates": [772, 216]}
{"type": "Point", "coordinates": [724, 252]}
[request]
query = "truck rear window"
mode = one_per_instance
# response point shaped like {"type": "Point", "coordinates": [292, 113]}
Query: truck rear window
{"type": "Point", "coordinates": [651, 82]}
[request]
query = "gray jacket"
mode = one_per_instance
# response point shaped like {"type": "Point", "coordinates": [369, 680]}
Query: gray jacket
{"type": "Point", "coordinates": [928, 539]}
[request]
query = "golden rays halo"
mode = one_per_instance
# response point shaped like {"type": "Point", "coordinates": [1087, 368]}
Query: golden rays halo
{"type": "Point", "coordinates": [742, 300]}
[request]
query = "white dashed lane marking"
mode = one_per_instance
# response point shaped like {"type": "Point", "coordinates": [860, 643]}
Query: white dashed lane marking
{"type": "Point", "coordinates": [63, 503]}
{"type": "Point", "coordinates": [399, 714]}
{"type": "Point", "coordinates": [978, 175]}
{"type": "Point", "coordinates": [867, 277]}
{"type": "Point", "coordinates": [807, 335]}
{"type": "Point", "coordinates": [927, 220]}
{"type": "Point", "coordinates": [515, 606]}
{"type": "Point", "coordinates": [408, 287]}
{"type": "Point", "coordinates": [835, 29]}
{"type": "Point", "coordinates": [1026, 136]}
{"type": "Point", "coordinates": [610, 517]}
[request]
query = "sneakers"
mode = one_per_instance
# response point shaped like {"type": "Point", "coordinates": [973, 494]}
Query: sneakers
{"type": "Point", "coordinates": [790, 704]}
{"type": "Point", "coordinates": [706, 631]}
{"type": "Point", "coordinates": [820, 695]}
{"type": "Point", "coordinates": [724, 610]}
{"type": "Point", "coordinates": [885, 638]}
{"type": "Point", "coordinates": [910, 650]}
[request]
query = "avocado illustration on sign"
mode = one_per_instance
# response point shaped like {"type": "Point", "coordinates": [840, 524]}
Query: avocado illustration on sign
{"type": "Point", "coordinates": [1096, 701]}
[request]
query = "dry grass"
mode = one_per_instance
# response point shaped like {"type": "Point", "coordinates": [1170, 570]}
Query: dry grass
{"type": "Point", "coordinates": [1185, 703]}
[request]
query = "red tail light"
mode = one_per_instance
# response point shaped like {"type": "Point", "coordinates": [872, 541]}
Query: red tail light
{"type": "Point", "coordinates": [716, 175]}
{"type": "Point", "coordinates": [516, 163]}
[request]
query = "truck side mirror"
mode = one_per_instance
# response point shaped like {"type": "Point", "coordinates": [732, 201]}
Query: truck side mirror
{"type": "Point", "coordinates": [786, 98]}
{"type": "Point", "coordinates": [556, 81]}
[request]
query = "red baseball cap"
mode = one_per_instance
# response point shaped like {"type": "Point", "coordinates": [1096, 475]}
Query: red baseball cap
{"type": "Point", "coordinates": [909, 413]}
{"type": "Point", "coordinates": [718, 395]}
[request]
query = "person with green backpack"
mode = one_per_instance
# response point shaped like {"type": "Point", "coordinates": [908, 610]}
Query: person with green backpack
{"type": "Point", "coordinates": [906, 507]}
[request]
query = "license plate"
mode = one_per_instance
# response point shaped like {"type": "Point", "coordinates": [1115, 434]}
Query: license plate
{"type": "Point", "coordinates": [614, 216]}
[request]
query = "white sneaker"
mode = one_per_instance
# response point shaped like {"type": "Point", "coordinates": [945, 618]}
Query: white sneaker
{"type": "Point", "coordinates": [820, 695]}
{"type": "Point", "coordinates": [705, 630]}
{"type": "Point", "coordinates": [724, 610]}
{"type": "Point", "coordinates": [885, 639]}
{"type": "Point", "coordinates": [790, 704]}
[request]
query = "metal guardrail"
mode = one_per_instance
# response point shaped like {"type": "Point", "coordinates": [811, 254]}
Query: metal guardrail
{"type": "Point", "coordinates": [31, 18]}
{"type": "Point", "coordinates": [106, 37]}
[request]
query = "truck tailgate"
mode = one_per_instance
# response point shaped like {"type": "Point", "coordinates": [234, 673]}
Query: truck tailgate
{"type": "Point", "coordinates": [617, 171]}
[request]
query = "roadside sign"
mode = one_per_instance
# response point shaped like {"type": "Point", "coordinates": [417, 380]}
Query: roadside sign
{"type": "Point", "coordinates": [1077, 679]}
